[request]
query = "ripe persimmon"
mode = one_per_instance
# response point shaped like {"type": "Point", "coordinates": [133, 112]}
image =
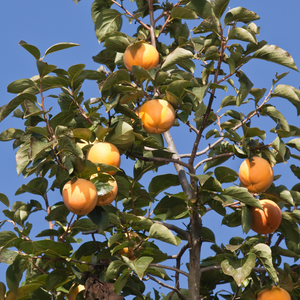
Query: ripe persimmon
{"type": "Point", "coordinates": [80, 196]}
{"type": "Point", "coordinates": [129, 252]}
{"type": "Point", "coordinates": [105, 153]}
{"type": "Point", "coordinates": [108, 198]}
{"type": "Point", "coordinates": [274, 293]}
{"type": "Point", "coordinates": [140, 54]}
{"type": "Point", "coordinates": [256, 175]}
{"type": "Point", "coordinates": [74, 290]}
{"type": "Point", "coordinates": [157, 115]}
{"type": "Point", "coordinates": [267, 220]}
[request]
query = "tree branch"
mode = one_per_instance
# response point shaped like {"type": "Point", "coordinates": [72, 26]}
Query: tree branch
{"type": "Point", "coordinates": [170, 268]}
{"type": "Point", "coordinates": [167, 286]}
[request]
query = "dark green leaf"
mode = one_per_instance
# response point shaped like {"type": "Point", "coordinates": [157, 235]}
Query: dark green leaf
{"type": "Point", "coordinates": [20, 85]}
{"type": "Point", "coordinates": [246, 219]}
{"type": "Point", "coordinates": [4, 199]}
{"type": "Point", "coordinates": [224, 174]}
{"type": "Point", "coordinates": [275, 115]}
{"type": "Point", "coordinates": [37, 186]}
{"type": "Point", "coordinates": [289, 228]}
{"type": "Point", "coordinates": [100, 217]}
{"type": "Point", "coordinates": [139, 266]}
{"type": "Point", "coordinates": [57, 278]}
{"type": "Point", "coordinates": [120, 76]}
{"type": "Point", "coordinates": [161, 182]}
{"type": "Point", "coordinates": [241, 34]}
{"type": "Point", "coordinates": [245, 87]}
{"type": "Point", "coordinates": [44, 68]}
{"type": "Point", "coordinates": [208, 25]}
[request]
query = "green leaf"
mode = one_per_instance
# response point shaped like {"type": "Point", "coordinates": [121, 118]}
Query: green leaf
{"type": "Point", "coordinates": [246, 219]}
{"type": "Point", "coordinates": [183, 13]}
{"type": "Point", "coordinates": [240, 14]}
{"type": "Point", "coordinates": [7, 238]}
{"type": "Point", "coordinates": [37, 186]}
{"type": "Point", "coordinates": [60, 46]}
{"type": "Point", "coordinates": [7, 256]}
{"type": "Point", "coordinates": [219, 7]}
{"type": "Point", "coordinates": [139, 266]}
{"type": "Point", "coordinates": [31, 49]}
{"type": "Point", "coordinates": [15, 272]}
{"type": "Point", "coordinates": [48, 247]}
{"type": "Point", "coordinates": [178, 55]}
{"type": "Point", "coordinates": [289, 228]}
{"type": "Point", "coordinates": [4, 199]}
{"type": "Point", "coordinates": [113, 269]}
{"type": "Point", "coordinates": [98, 6]}
{"type": "Point", "coordinates": [6, 109]}
{"type": "Point", "coordinates": [106, 57]}
{"type": "Point", "coordinates": [242, 194]}
{"type": "Point", "coordinates": [160, 232]}
{"type": "Point", "coordinates": [44, 68]}
{"type": "Point", "coordinates": [264, 254]}
{"type": "Point", "coordinates": [241, 34]}
{"type": "Point", "coordinates": [11, 134]}
{"type": "Point", "coordinates": [245, 87]}
{"type": "Point", "coordinates": [20, 85]}
{"type": "Point", "coordinates": [120, 76]}
{"type": "Point", "coordinates": [57, 278]}
{"type": "Point", "coordinates": [121, 281]}
{"type": "Point", "coordinates": [202, 8]}
{"type": "Point", "coordinates": [140, 73]}
{"type": "Point", "coordinates": [275, 54]}
{"type": "Point", "coordinates": [287, 92]}
{"type": "Point", "coordinates": [100, 217]}
{"type": "Point", "coordinates": [272, 112]}
{"type": "Point", "coordinates": [239, 269]}
{"type": "Point", "coordinates": [208, 25]}
{"type": "Point", "coordinates": [108, 20]}
{"type": "Point", "coordinates": [121, 136]}
{"type": "Point", "coordinates": [162, 182]}
{"type": "Point", "coordinates": [25, 291]}
{"type": "Point", "coordinates": [224, 174]}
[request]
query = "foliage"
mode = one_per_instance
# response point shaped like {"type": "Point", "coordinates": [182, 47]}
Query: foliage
{"type": "Point", "coordinates": [194, 70]}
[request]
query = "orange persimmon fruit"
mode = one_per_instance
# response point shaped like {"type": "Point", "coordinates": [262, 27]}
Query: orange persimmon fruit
{"type": "Point", "coordinates": [110, 196]}
{"type": "Point", "coordinates": [79, 196]}
{"type": "Point", "coordinates": [267, 220]}
{"type": "Point", "coordinates": [105, 153]}
{"type": "Point", "coordinates": [157, 115]}
{"type": "Point", "coordinates": [274, 293]}
{"type": "Point", "coordinates": [256, 175]}
{"type": "Point", "coordinates": [140, 54]}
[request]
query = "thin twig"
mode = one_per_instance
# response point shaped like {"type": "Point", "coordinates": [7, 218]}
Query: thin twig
{"type": "Point", "coordinates": [131, 15]}
{"type": "Point", "coordinates": [170, 268]}
{"type": "Point", "coordinates": [213, 158]}
{"type": "Point", "coordinates": [167, 286]}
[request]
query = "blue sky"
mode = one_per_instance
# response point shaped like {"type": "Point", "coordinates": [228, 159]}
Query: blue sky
{"type": "Point", "coordinates": [44, 23]}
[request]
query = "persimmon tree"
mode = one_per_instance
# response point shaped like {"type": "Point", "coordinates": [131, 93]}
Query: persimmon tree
{"type": "Point", "coordinates": [115, 250]}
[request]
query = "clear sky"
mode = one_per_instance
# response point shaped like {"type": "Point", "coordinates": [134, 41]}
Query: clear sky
{"type": "Point", "coordinates": [44, 23]}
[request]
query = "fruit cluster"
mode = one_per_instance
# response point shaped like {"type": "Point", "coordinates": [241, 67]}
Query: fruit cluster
{"type": "Point", "coordinates": [257, 176]}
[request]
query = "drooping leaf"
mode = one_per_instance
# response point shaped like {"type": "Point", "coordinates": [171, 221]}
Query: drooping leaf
{"type": "Point", "coordinates": [242, 194]}
{"type": "Point", "coordinates": [202, 8]}
{"type": "Point", "coordinates": [161, 182]}
{"type": "Point", "coordinates": [241, 34]}
{"type": "Point", "coordinates": [219, 7]}
{"type": "Point", "coordinates": [108, 20]}
{"type": "Point", "coordinates": [183, 13]}
{"type": "Point", "coordinates": [276, 115]}
{"type": "Point", "coordinates": [37, 186]}
{"type": "Point", "coordinates": [31, 49]}
{"type": "Point", "coordinates": [160, 232]}
{"type": "Point", "coordinates": [56, 278]}
{"type": "Point", "coordinates": [210, 24]}
{"type": "Point", "coordinates": [239, 269]}
{"type": "Point", "coordinates": [264, 254]}
{"type": "Point", "coordinates": [245, 87]}
{"type": "Point", "coordinates": [178, 55]}
{"type": "Point", "coordinates": [277, 55]}
{"type": "Point", "coordinates": [240, 14]}
{"type": "Point", "coordinates": [120, 76]}
{"type": "Point", "coordinates": [225, 174]}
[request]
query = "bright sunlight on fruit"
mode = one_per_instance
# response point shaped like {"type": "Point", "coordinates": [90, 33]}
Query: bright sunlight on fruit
{"type": "Point", "coordinates": [105, 153]}
{"type": "Point", "coordinates": [267, 220]}
{"type": "Point", "coordinates": [110, 196]}
{"type": "Point", "coordinates": [157, 116]}
{"type": "Point", "coordinates": [140, 54]}
{"type": "Point", "coordinates": [80, 196]}
{"type": "Point", "coordinates": [275, 293]}
{"type": "Point", "coordinates": [74, 290]}
{"type": "Point", "coordinates": [256, 175]}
